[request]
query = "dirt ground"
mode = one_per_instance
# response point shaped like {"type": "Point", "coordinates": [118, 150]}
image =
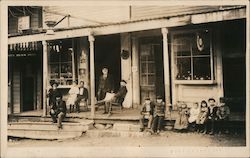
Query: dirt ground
{"type": "Point", "coordinates": [167, 138]}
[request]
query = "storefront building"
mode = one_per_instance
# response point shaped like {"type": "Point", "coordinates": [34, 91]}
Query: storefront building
{"type": "Point", "coordinates": [190, 56]}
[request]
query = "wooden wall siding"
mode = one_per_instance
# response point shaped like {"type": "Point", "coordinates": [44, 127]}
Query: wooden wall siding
{"type": "Point", "coordinates": [35, 20]}
{"type": "Point", "coordinates": [16, 89]}
{"type": "Point", "coordinates": [142, 12]}
{"type": "Point", "coordinates": [84, 16]}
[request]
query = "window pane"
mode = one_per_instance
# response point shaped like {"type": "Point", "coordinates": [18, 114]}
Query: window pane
{"type": "Point", "coordinates": [202, 68]}
{"type": "Point", "coordinates": [66, 56]}
{"type": "Point", "coordinates": [144, 80]}
{"type": "Point", "coordinates": [143, 68]}
{"type": "Point", "coordinates": [151, 68]}
{"type": "Point", "coordinates": [182, 45]}
{"type": "Point", "coordinates": [201, 43]}
{"type": "Point", "coordinates": [151, 80]}
{"type": "Point", "coordinates": [183, 69]}
{"type": "Point", "coordinates": [54, 56]}
{"type": "Point", "coordinates": [66, 70]}
{"type": "Point", "coordinates": [54, 70]}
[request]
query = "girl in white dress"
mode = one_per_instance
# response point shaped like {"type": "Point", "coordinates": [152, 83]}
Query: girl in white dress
{"type": "Point", "coordinates": [193, 115]}
{"type": "Point", "coordinates": [73, 92]}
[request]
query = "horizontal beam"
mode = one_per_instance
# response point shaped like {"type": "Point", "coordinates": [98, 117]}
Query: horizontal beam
{"type": "Point", "coordinates": [136, 26]}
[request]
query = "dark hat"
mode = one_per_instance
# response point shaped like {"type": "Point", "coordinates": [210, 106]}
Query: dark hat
{"type": "Point", "coordinates": [124, 81]}
{"type": "Point", "coordinates": [158, 97]}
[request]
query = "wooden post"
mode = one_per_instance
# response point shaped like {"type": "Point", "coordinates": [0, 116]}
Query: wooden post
{"type": "Point", "coordinates": [92, 73]}
{"type": "Point", "coordinates": [166, 67]}
{"type": "Point", "coordinates": [135, 72]}
{"type": "Point", "coordinates": [45, 76]}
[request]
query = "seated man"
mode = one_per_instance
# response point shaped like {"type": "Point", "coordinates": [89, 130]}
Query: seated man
{"type": "Point", "coordinates": [83, 95]}
{"type": "Point", "coordinates": [118, 97]}
{"type": "Point", "coordinates": [58, 111]}
{"type": "Point", "coordinates": [146, 113]}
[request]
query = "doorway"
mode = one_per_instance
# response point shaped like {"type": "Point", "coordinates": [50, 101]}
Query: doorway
{"type": "Point", "coordinates": [234, 65]}
{"type": "Point", "coordinates": [151, 68]}
{"type": "Point", "coordinates": [107, 54]}
{"type": "Point", "coordinates": [28, 86]}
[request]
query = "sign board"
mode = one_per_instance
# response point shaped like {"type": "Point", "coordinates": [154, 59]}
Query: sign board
{"type": "Point", "coordinates": [23, 23]}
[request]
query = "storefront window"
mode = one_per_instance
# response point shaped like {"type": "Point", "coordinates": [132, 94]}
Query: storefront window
{"type": "Point", "coordinates": [61, 62]}
{"type": "Point", "coordinates": [193, 55]}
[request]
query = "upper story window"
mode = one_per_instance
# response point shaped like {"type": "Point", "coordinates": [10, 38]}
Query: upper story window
{"type": "Point", "coordinates": [193, 56]}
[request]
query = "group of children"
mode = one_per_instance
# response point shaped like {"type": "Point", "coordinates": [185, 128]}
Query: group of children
{"type": "Point", "coordinates": [200, 118]}
{"type": "Point", "coordinates": [203, 118]}
{"type": "Point", "coordinates": [154, 112]}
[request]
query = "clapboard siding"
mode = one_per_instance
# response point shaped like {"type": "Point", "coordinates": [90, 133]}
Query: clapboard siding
{"type": "Point", "coordinates": [84, 16]}
{"type": "Point", "coordinates": [142, 12]}
{"type": "Point", "coordinates": [16, 89]}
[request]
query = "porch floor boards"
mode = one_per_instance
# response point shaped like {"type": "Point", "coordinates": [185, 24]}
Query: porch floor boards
{"type": "Point", "coordinates": [125, 114]}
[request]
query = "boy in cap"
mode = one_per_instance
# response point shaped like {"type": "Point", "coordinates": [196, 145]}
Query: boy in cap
{"type": "Point", "coordinates": [118, 97]}
{"type": "Point", "coordinates": [223, 113]}
{"type": "Point", "coordinates": [159, 114]}
{"type": "Point", "coordinates": [146, 113]}
{"type": "Point", "coordinates": [58, 111]}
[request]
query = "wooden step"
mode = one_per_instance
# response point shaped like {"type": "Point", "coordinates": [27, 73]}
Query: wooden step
{"type": "Point", "coordinates": [47, 130]}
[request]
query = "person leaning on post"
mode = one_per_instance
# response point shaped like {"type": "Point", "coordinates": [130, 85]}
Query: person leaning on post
{"type": "Point", "coordinates": [58, 111]}
{"type": "Point", "coordinates": [146, 113]}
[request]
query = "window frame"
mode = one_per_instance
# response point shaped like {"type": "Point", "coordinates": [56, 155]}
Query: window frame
{"type": "Point", "coordinates": [174, 59]}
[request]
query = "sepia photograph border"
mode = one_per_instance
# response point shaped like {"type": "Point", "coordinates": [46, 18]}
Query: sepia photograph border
{"type": "Point", "coordinates": [167, 151]}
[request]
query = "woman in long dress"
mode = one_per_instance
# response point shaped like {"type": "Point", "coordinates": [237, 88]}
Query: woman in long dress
{"type": "Point", "coordinates": [73, 92]}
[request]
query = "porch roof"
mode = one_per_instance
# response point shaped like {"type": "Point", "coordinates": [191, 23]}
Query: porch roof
{"type": "Point", "coordinates": [230, 13]}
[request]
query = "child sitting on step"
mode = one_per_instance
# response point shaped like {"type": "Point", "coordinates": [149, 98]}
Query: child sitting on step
{"type": "Point", "coordinates": [202, 117]}
{"type": "Point", "coordinates": [193, 116]}
{"type": "Point", "coordinates": [146, 113]}
{"type": "Point", "coordinates": [159, 115]}
{"type": "Point", "coordinates": [181, 123]}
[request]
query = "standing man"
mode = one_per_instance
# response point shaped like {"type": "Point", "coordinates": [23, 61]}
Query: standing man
{"type": "Point", "coordinates": [53, 92]}
{"type": "Point", "coordinates": [106, 84]}
{"type": "Point", "coordinates": [58, 111]}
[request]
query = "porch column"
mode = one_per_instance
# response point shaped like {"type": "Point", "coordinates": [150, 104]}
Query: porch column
{"type": "Point", "coordinates": [135, 72]}
{"type": "Point", "coordinates": [45, 75]}
{"type": "Point", "coordinates": [92, 73]}
{"type": "Point", "coordinates": [166, 67]}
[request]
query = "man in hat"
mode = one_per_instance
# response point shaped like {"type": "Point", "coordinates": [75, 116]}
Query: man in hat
{"type": "Point", "coordinates": [58, 111]}
{"type": "Point", "coordinates": [53, 92]}
{"type": "Point", "coordinates": [106, 84]}
{"type": "Point", "coordinates": [118, 97]}
{"type": "Point", "coordinates": [159, 114]}
{"type": "Point", "coordinates": [146, 113]}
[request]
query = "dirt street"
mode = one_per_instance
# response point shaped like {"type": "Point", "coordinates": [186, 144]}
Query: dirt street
{"type": "Point", "coordinates": [167, 138]}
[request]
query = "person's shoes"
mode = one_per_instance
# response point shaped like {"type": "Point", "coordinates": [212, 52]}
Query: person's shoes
{"type": "Point", "coordinates": [204, 132]}
{"type": "Point", "coordinates": [54, 121]}
{"type": "Point", "coordinates": [59, 126]}
{"type": "Point", "coordinates": [141, 129]}
{"type": "Point", "coordinates": [158, 132]}
{"type": "Point", "coordinates": [104, 112]}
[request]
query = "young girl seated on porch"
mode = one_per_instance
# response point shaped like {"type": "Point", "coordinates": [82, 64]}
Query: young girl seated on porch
{"type": "Point", "coordinates": [181, 122]}
{"type": "Point", "coordinates": [193, 115]}
{"type": "Point", "coordinates": [73, 92]}
{"type": "Point", "coordinates": [202, 117]}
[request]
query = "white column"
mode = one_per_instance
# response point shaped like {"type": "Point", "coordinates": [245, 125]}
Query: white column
{"type": "Point", "coordinates": [135, 71]}
{"type": "Point", "coordinates": [45, 76]}
{"type": "Point", "coordinates": [166, 67]}
{"type": "Point", "coordinates": [92, 73]}
{"type": "Point", "coordinates": [126, 68]}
